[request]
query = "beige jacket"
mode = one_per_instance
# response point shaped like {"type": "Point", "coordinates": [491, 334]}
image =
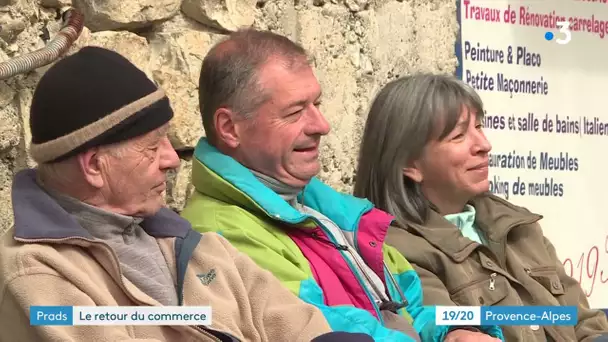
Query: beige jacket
{"type": "Point", "coordinates": [519, 267]}
{"type": "Point", "coordinates": [48, 259]}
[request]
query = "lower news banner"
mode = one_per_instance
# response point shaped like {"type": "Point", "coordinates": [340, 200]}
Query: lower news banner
{"type": "Point", "coordinates": [120, 315]}
{"type": "Point", "coordinates": [506, 315]}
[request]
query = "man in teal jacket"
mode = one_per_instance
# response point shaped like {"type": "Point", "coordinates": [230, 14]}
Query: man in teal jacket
{"type": "Point", "coordinates": [254, 179]}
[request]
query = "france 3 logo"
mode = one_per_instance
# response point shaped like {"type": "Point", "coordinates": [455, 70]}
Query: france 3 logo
{"type": "Point", "coordinates": [564, 29]}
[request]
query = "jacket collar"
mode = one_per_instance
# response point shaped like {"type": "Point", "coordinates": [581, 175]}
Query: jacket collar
{"type": "Point", "coordinates": [38, 216]}
{"type": "Point", "coordinates": [221, 177]}
{"type": "Point", "coordinates": [90, 217]}
{"type": "Point", "coordinates": [494, 218]}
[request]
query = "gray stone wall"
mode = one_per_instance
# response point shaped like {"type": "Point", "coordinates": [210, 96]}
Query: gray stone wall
{"type": "Point", "coordinates": [357, 45]}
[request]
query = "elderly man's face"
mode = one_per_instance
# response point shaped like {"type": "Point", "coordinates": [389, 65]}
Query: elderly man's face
{"type": "Point", "coordinates": [282, 138]}
{"type": "Point", "coordinates": [134, 179]}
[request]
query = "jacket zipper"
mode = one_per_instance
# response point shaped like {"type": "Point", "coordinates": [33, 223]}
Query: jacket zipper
{"type": "Point", "coordinates": [381, 296]}
{"type": "Point", "coordinates": [328, 242]}
{"type": "Point", "coordinates": [393, 305]}
{"type": "Point", "coordinates": [491, 287]}
{"type": "Point", "coordinates": [342, 248]}
{"type": "Point", "coordinates": [116, 264]}
{"type": "Point", "coordinates": [404, 302]}
{"type": "Point", "coordinates": [387, 299]}
{"type": "Point", "coordinates": [346, 248]}
{"type": "Point", "coordinates": [355, 258]}
{"type": "Point", "coordinates": [536, 270]}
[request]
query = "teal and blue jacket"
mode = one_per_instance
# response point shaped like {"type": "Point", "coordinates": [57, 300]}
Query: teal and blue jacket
{"type": "Point", "coordinates": [301, 252]}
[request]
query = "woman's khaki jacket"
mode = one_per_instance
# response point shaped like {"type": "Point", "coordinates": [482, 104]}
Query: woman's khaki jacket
{"type": "Point", "coordinates": [519, 266]}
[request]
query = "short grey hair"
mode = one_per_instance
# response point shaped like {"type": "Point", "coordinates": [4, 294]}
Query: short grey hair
{"type": "Point", "coordinates": [229, 73]}
{"type": "Point", "coordinates": [405, 115]}
{"type": "Point", "coordinates": [53, 171]}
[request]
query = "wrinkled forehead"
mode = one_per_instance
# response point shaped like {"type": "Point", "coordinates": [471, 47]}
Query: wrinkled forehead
{"type": "Point", "coordinates": [288, 83]}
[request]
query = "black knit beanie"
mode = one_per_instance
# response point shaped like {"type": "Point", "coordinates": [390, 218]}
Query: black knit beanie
{"type": "Point", "coordinates": [92, 98]}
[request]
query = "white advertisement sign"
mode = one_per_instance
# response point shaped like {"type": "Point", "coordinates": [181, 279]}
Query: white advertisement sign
{"type": "Point", "coordinates": [541, 68]}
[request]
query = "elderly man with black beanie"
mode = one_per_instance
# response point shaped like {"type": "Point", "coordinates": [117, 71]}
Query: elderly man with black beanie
{"type": "Point", "coordinates": [90, 228]}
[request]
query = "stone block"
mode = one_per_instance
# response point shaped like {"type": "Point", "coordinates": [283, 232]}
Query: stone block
{"type": "Point", "coordinates": [101, 15]}
{"type": "Point", "coordinates": [228, 15]}
{"type": "Point", "coordinates": [176, 59]}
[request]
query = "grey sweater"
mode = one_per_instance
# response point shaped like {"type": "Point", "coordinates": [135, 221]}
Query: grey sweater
{"type": "Point", "coordinates": [140, 258]}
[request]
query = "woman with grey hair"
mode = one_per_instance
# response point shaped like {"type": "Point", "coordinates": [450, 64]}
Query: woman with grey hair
{"type": "Point", "coordinates": [424, 159]}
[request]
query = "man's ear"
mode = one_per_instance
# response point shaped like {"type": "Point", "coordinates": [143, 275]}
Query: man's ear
{"type": "Point", "coordinates": [226, 127]}
{"type": "Point", "coordinates": [90, 163]}
{"type": "Point", "coordinates": [413, 172]}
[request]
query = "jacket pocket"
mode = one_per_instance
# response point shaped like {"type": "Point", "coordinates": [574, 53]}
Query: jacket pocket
{"type": "Point", "coordinates": [548, 278]}
{"type": "Point", "coordinates": [482, 292]}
